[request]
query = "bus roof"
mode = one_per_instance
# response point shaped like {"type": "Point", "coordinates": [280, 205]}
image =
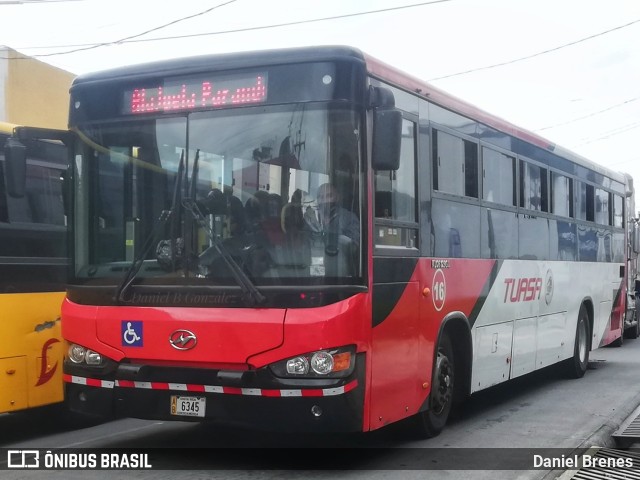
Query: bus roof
{"type": "Point", "coordinates": [225, 61]}
{"type": "Point", "coordinates": [375, 67]}
{"type": "Point", "coordinates": [404, 81]}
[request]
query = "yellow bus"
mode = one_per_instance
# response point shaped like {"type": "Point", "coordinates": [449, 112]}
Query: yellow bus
{"type": "Point", "coordinates": [33, 263]}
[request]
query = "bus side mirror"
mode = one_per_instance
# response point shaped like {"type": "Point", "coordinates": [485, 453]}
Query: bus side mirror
{"type": "Point", "coordinates": [635, 238]}
{"type": "Point", "coordinates": [15, 154]}
{"type": "Point", "coordinates": [387, 136]}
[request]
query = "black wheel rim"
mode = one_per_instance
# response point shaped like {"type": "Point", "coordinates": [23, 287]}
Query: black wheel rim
{"type": "Point", "coordinates": [442, 390]}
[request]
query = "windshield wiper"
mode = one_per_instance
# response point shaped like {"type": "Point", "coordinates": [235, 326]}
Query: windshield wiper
{"type": "Point", "coordinates": [249, 290]}
{"type": "Point", "coordinates": [152, 239]}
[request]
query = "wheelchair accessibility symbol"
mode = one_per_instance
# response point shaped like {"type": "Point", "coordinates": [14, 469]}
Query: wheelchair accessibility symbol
{"type": "Point", "coordinates": [131, 333]}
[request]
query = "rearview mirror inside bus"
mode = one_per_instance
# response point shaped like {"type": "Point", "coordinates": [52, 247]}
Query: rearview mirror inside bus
{"type": "Point", "coordinates": [387, 134]}
{"type": "Point", "coordinates": [15, 154]}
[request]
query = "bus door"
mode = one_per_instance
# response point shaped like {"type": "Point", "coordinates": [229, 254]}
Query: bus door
{"type": "Point", "coordinates": [398, 329]}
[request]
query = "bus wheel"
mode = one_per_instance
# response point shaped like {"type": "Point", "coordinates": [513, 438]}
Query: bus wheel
{"type": "Point", "coordinates": [634, 331]}
{"type": "Point", "coordinates": [577, 365]}
{"type": "Point", "coordinates": [431, 422]}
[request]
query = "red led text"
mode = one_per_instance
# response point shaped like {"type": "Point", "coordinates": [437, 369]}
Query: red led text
{"type": "Point", "coordinates": [203, 94]}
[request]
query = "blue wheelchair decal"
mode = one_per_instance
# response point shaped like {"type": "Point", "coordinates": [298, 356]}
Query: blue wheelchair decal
{"type": "Point", "coordinates": [131, 333]}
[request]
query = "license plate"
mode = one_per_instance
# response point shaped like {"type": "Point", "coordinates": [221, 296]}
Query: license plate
{"type": "Point", "coordinates": [188, 406]}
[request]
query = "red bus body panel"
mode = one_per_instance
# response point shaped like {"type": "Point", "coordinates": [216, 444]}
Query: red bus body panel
{"type": "Point", "coordinates": [402, 347]}
{"type": "Point", "coordinates": [223, 336]}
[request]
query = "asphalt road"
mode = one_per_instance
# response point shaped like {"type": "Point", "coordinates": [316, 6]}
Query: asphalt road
{"type": "Point", "coordinates": [542, 413]}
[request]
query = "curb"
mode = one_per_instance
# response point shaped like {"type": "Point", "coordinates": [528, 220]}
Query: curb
{"type": "Point", "coordinates": [601, 437]}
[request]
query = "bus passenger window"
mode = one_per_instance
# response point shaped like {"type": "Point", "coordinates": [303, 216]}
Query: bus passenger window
{"type": "Point", "coordinates": [498, 173]}
{"type": "Point", "coordinates": [602, 216]}
{"type": "Point", "coordinates": [561, 195]}
{"type": "Point", "coordinates": [580, 194]}
{"type": "Point", "coordinates": [533, 187]}
{"type": "Point", "coordinates": [42, 202]}
{"type": "Point", "coordinates": [455, 165]}
{"type": "Point", "coordinates": [618, 219]}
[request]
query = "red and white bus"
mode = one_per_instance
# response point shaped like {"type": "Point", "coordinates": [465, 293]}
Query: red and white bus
{"type": "Point", "coordinates": [312, 240]}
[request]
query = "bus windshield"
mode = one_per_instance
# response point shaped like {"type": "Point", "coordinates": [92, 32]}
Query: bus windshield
{"type": "Point", "coordinates": [275, 190]}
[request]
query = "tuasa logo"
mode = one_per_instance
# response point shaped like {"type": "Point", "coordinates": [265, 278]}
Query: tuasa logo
{"type": "Point", "coordinates": [522, 289]}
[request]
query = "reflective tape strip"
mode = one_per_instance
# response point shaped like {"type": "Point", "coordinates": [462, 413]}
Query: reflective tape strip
{"type": "Point", "coordinates": [252, 391]}
{"type": "Point", "coordinates": [184, 387]}
{"type": "Point", "coordinates": [211, 389]}
{"type": "Point", "coordinates": [181, 387]}
{"type": "Point", "coordinates": [91, 382]}
{"type": "Point", "coordinates": [290, 393]}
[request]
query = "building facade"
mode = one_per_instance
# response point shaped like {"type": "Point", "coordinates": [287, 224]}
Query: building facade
{"type": "Point", "coordinates": [32, 92]}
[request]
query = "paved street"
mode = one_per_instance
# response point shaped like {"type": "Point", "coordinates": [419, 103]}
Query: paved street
{"type": "Point", "coordinates": [540, 411]}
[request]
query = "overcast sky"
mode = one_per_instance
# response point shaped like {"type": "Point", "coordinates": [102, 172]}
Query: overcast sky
{"type": "Point", "coordinates": [570, 68]}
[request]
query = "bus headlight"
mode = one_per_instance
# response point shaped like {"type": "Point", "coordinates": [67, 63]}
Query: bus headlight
{"type": "Point", "coordinates": [332, 363]}
{"type": "Point", "coordinates": [76, 353]}
{"type": "Point", "coordinates": [93, 358]}
{"type": "Point", "coordinates": [298, 366]}
{"type": "Point", "coordinates": [322, 363]}
{"type": "Point", "coordinates": [81, 355]}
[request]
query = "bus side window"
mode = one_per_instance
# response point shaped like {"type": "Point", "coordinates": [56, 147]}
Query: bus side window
{"type": "Point", "coordinates": [585, 208]}
{"type": "Point", "coordinates": [618, 212]}
{"type": "Point", "coordinates": [42, 202]}
{"type": "Point", "coordinates": [561, 194]}
{"type": "Point", "coordinates": [395, 196]}
{"type": "Point", "coordinates": [602, 212]}
{"type": "Point", "coordinates": [455, 165]}
{"type": "Point", "coordinates": [533, 187]}
{"type": "Point", "coordinates": [498, 173]}
{"type": "Point", "coordinates": [4, 212]}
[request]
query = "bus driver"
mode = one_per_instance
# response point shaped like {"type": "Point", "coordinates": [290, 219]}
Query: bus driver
{"type": "Point", "coordinates": [333, 218]}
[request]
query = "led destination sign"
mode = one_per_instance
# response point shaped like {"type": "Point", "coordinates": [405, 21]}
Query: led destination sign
{"type": "Point", "coordinates": [195, 93]}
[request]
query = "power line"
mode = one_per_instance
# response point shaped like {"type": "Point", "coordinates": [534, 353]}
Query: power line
{"type": "Point", "coordinates": [588, 116]}
{"type": "Point", "coordinates": [131, 37]}
{"type": "Point", "coordinates": [613, 133]}
{"type": "Point", "coordinates": [535, 54]}
{"type": "Point", "coordinates": [134, 39]}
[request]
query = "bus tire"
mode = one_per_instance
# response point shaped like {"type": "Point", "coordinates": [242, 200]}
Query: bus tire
{"type": "Point", "coordinates": [577, 365]}
{"type": "Point", "coordinates": [634, 331]}
{"type": "Point", "coordinates": [430, 422]}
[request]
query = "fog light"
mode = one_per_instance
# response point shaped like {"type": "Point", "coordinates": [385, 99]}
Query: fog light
{"type": "Point", "coordinates": [298, 366]}
{"type": "Point", "coordinates": [322, 363]}
{"type": "Point", "coordinates": [92, 358]}
{"type": "Point", "coordinates": [76, 353]}
{"type": "Point", "coordinates": [316, 411]}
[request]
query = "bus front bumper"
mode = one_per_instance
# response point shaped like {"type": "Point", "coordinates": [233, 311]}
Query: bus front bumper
{"type": "Point", "coordinates": [261, 403]}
